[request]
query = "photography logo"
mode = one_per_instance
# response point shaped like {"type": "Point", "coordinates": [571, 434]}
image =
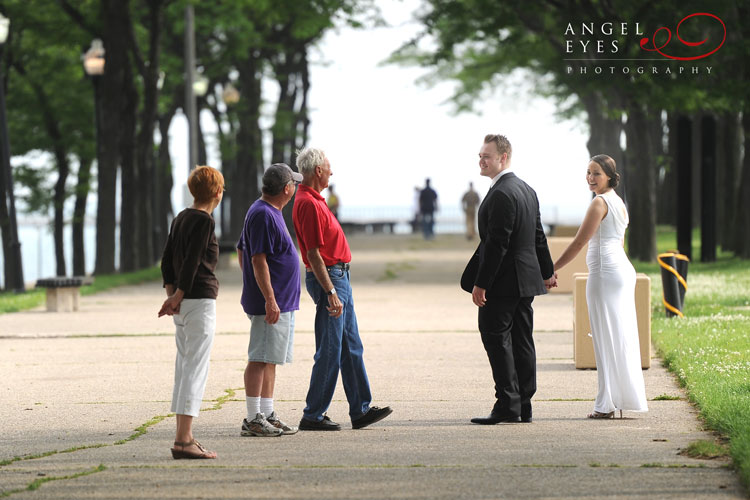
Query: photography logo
{"type": "Point", "coordinates": [620, 48]}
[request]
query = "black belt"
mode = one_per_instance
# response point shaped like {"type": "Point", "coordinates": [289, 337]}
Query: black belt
{"type": "Point", "coordinates": [341, 265]}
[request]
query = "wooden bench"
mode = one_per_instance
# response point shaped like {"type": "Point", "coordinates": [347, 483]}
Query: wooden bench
{"type": "Point", "coordinates": [63, 293]}
{"type": "Point", "coordinates": [583, 346]}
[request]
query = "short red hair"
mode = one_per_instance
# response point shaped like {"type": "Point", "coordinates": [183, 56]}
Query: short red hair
{"type": "Point", "coordinates": [204, 182]}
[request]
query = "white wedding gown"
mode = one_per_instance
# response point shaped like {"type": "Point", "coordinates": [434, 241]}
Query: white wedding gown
{"type": "Point", "coordinates": [610, 294]}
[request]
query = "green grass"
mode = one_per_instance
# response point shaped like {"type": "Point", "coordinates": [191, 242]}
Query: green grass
{"type": "Point", "coordinates": [706, 450]}
{"type": "Point", "coordinates": [709, 349]}
{"type": "Point", "coordinates": [14, 302]}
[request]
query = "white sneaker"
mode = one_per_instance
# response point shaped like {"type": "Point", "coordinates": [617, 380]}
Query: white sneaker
{"type": "Point", "coordinates": [273, 419]}
{"type": "Point", "coordinates": [259, 426]}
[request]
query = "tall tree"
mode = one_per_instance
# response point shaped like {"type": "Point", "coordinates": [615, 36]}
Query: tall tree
{"type": "Point", "coordinates": [49, 110]}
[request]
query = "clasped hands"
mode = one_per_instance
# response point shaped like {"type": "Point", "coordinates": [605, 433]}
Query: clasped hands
{"type": "Point", "coordinates": [479, 297]}
{"type": "Point", "coordinates": [551, 282]}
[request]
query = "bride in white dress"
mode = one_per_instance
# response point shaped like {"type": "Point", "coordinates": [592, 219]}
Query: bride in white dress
{"type": "Point", "coordinates": [610, 294]}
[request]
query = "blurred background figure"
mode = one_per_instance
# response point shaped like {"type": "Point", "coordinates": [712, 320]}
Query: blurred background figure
{"type": "Point", "coordinates": [333, 202]}
{"type": "Point", "coordinates": [416, 223]}
{"type": "Point", "coordinates": [469, 203]}
{"type": "Point", "coordinates": [428, 205]}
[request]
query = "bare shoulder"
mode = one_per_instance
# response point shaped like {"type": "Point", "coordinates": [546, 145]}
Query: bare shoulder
{"type": "Point", "coordinates": [598, 206]}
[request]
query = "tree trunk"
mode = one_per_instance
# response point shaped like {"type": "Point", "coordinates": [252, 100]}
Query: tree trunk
{"type": "Point", "coordinates": [51, 125]}
{"type": "Point", "coordinates": [729, 170]}
{"type": "Point", "coordinates": [656, 131]}
{"type": "Point", "coordinates": [641, 187]}
{"type": "Point", "coordinates": [79, 216]}
{"type": "Point", "coordinates": [666, 212]}
{"type": "Point", "coordinates": [244, 189]}
{"type": "Point", "coordinates": [146, 170]}
{"type": "Point", "coordinates": [8, 270]}
{"type": "Point", "coordinates": [131, 212]}
{"type": "Point", "coordinates": [604, 133]}
{"type": "Point", "coordinates": [742, 229]}
{"type": "Point", "coordinates": [163, 187]}
{"type": "Point", "coordinates": [63, 168]}
{"type": "Point", "coordinates": [695, 190]}
{"type": "Point", "coordinates": [303, 118]}
{"type": "Point", "coordinates": [115, 43]}
{"type": "Point", "coordinates": [284, 129]}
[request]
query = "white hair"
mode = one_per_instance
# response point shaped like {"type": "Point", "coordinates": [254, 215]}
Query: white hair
{"type": "Point", "coordinates": [309, 158]}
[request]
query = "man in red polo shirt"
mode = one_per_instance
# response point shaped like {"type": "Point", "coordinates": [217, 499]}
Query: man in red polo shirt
{"type": "Point", "coordinates": [326, 255]}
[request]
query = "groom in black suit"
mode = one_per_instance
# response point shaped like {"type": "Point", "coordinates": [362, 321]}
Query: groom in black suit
{"type": "Point", "coordinates": [511, 265]}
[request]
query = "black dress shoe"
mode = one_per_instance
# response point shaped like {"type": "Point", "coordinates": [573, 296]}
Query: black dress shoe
{"type": "Point", "coordinates": [320, 425]}
{"type": "Point", "coordinates": [374, 414]}
{"type": "Point", "coordinates": [493, 419]}
{"type": "Point", "coordinates": [526, 413]}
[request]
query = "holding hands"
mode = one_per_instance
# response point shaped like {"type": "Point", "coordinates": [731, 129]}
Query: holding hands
{"type": "Point", "coordinates": [551, 282]}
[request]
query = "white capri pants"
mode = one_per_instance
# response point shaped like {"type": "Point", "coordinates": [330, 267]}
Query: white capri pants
{"type": "Point", "coordinates": [196, 325]}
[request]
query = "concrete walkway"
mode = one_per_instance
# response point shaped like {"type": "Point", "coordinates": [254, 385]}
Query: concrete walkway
{"type": "Point", "coordinates": [84, 403]}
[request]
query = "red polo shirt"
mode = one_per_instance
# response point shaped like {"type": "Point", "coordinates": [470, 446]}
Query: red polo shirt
{"type": "Point", "coordinates": [316, 227]}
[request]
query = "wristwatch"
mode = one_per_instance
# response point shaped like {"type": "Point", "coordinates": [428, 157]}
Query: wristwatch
{"type": "Point", "coordinates": [332, 291]}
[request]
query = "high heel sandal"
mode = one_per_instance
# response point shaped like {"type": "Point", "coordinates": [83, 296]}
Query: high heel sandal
{"type": "Point", "coordinates": [600, 415]}
{"type": "Point", "coordinates": [204, 453]}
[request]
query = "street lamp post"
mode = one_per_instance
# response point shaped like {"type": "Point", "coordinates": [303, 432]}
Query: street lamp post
{"type": "Point", "coordinates": [93, 65]}
{"type": "Point", "coordinates": [231, 96]}
{"type": "Point", "coordinates": [15, 280]}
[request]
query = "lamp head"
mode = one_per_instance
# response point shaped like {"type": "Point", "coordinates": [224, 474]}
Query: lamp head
{"type": "Point", "coordinates": [4, 28]}
{"type": "Point", "coordinates": [93, 60]}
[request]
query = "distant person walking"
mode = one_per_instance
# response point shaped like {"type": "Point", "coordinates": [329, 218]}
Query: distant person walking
{"type": "Point", "coordinates": [469, 203]}
{"type": "Point", "coordinates": [610, 294]}
{"type": "Point", "coordinates": [333, 202]}
{"type": "Point", "coordinates": [270, 296]}
{"type": "Point", "coordinates": [338, 347]}
{"type": "Point", "coordinates": [187, 268]}
{"type": "Point", "coordinates": [416, 224]}
{"type": "Point", "coordinates": [428, 205]}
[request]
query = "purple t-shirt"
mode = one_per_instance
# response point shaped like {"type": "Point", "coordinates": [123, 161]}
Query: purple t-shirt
{"type": "Point", "coordinates": [265, 232]}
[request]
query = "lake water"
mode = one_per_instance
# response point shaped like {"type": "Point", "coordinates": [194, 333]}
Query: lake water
{"type": "Point", "coordinates": [38, 246]}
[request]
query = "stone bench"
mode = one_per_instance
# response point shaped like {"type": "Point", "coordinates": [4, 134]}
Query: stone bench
{"type": "Point", "coordinates": [583, 346]}
{"type": "Point", "coordinates": [558, 244]}
{"type": "Point", "coordinates": [63, 293]}
{"type": "Point", "coordinates": [369, 227]}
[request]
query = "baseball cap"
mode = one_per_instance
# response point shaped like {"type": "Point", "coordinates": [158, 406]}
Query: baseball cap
{"type": "Point", "coordinates": [277, 176]}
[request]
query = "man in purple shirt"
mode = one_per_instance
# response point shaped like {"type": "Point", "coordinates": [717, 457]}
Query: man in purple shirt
{"type": "Point", "coordinates": [270, 295]}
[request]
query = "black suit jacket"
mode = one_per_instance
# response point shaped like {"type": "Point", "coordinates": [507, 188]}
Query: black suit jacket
{"type": "Point", "coordinates": [512, 259]}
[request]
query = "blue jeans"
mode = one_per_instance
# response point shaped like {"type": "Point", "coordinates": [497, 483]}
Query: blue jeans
{"type": "Point", "coordinates": [337, 347]}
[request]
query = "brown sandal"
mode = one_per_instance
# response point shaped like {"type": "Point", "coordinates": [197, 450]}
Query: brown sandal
{"type": "Point", "coordinates": [204, 453]}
